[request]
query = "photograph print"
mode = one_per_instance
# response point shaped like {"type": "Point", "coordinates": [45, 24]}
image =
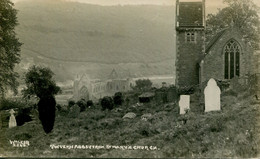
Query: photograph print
{"type": "Point", "coordinates": [130, 78]}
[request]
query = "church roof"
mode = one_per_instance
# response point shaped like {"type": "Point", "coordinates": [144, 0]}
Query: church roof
{"type": "Point", "coordinates": [190, 14]}
{"type": "Point", "coordinates": [214, 40]}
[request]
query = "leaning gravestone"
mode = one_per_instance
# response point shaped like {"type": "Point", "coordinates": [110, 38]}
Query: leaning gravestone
{"type": "Point", "coordinates": [130, 115]}
{"type": "Point", "coordinates": [184, 103]}
{"type": "Point", "coordinates": [12, 121]}
{"type": "Point", "coordinates": [212, 96]}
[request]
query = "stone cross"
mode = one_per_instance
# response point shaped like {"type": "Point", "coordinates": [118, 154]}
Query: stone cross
{"type": "Point", "coordinates": [184, 103]}
{"type": "Point", "coordinates": [212, 96]}
{"type": "Point", "coordinates": [12, 121]}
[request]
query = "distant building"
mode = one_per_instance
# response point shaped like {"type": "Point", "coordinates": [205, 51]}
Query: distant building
{"type": "Point", "coordinates": [223, 57]}
{"type": "Point", "coordinates": [90, 89]}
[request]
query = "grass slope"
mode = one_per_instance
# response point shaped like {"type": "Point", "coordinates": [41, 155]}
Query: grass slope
{"type": "Point", "coordinates": [231, 132]}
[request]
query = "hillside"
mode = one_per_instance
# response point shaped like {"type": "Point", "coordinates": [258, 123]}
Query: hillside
{"type": "Point", "coordinates": [231, 132]}
{"type": "Point", "coordinates": [70, 37]}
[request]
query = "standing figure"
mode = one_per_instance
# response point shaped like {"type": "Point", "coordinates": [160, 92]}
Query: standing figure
{"type": "Point", "coordinates": [12, 120]}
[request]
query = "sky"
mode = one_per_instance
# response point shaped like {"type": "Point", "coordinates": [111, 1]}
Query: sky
{"type": "Point", "coordinates": [211, 5]}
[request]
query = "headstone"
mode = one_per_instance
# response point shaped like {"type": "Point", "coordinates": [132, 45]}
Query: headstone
{"type": "Point", "coordinates": [145, 117]}
{"type": "Point", "coordinates": [212, 96]}
{"type": "Point", "coordinates": [184, 103]}
{"type": "Point", "coordinates": [129, 115]}
{"type": "Point", "coordinates": [74, 111]}
{"type": "Point", "coordinates": [12, 121]}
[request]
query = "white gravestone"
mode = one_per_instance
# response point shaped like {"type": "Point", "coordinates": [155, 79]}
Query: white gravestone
{"type": "Point", "coordinates": [212, 96]}
{"type": "Point", "coordinates": [184, 103]}
{"type": "Point", "coordinates": [12, 121]}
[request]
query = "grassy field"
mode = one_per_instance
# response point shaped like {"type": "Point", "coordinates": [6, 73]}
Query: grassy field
{"type": "Point", "coordinates": [231, 132]}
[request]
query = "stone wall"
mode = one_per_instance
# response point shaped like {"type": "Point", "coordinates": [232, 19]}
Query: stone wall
{"type": "Point", "coordinates": [213, 63]}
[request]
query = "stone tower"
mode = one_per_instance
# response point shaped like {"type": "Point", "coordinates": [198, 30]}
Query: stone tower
{"type": "Point", "coordinates": [190, 41]}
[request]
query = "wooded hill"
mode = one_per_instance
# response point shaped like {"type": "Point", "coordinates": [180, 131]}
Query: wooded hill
{"type": "Point", "coordinates": [72, 37]}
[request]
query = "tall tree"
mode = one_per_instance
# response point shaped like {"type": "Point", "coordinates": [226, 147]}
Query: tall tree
{"type": "Point", "coordinates": [9, 47]}
{"type": "Point", "coordinates": [243, 14]}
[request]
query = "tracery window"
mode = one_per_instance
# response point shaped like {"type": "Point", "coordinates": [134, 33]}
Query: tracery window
{"type": "Point", "coordinates": [232, 52]}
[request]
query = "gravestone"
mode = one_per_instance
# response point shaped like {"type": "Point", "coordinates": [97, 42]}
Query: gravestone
{"type": "Point", "coordinates": [74, 111]}
{"type": "Point", "coordinates": [145, 117]}
{"type": "Point", "coordinates": [12, 121]}
{"type": "Point", "coordinates": [184, 103]}
{"type": "Point", "coordinates": [212, 96]}
{"type": "Point", "coordinates": [130, 115]}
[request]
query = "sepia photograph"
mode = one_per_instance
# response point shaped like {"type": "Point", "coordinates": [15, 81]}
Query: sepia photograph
{"type": "Point", "coordinates": [129, 78]}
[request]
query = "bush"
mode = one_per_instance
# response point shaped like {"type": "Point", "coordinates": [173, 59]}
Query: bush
{"type": "Point", "coordinates": [230, 93]}
{"type": "Point", "coordinates": [143, 84]}
{"type": "Point", "coordinates": [90, 103]}
{"type": "Point", "coordinates": [118, 98]}
{"type": "Point", "coordinates": [223, 85]}
{"type": "Point", "coordinates": [71, 103]}
{"type": "Point", "coordinates": [6, 104]}
{"type": "Point", "coordinates": [82, 104]}
{"type": "Point", "coordinates": [186, 90]}
{"type": "Point", "coordinates": [58, 107]}
{"type": "Point", "coordinates": [107, 103]}
{"type": "Point", "coordinates": [23, 116]}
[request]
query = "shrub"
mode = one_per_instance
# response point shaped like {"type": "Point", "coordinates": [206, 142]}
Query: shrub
{"type": "Point", "coordinates": [230, 93]}
{"type": "Point", "coordinates": [23, 116]}
{"type": "Point", "coordinates": [107, 103]}
{"type": "Point", "coordinates": [143, 84]}
{"type": "Point", "coordinates": [71, 103]}
{"type": "Point", "coordinates": [223, 85]}
{"type": "Point", "coordinates": [118, 98]}
{"type": "Point", "coordinates": [58, 107]}
{"type": "Point", "coordinates": [186, 90]}
{"type": "Point", "coordinates": [90, 103]}
{"type": "Point", "coordinates": [6, 104]}
{"type": "Point", "coordinates": [82, 104]}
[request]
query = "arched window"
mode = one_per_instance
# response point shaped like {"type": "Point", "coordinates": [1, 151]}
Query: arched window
{"type": "Point", "coordinates": [188, 37]}
{"type": "Point", "coordinates": [192, 36]}
{"type": "Point", "coordinates": [232, 52]}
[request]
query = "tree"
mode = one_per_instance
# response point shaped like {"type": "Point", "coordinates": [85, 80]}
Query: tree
{"type": "Point", "coordinates": [9, 47]}
{"type": "Point", "coordinates": [143, 84]}
{"type": "Point", "coordinates": [39, 82]}
{"type": "Point", "coordinates": [240, 13]}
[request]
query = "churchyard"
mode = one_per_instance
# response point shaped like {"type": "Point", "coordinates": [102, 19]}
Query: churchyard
{"type": "Point", "coordinates": [200, 123]}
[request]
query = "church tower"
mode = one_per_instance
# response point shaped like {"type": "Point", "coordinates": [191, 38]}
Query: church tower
{"type": "Point", "coordinates": [190, 41]}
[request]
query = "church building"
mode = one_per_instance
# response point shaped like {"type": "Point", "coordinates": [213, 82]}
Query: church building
{"type": "Point", "coordinates": [223, 56]}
